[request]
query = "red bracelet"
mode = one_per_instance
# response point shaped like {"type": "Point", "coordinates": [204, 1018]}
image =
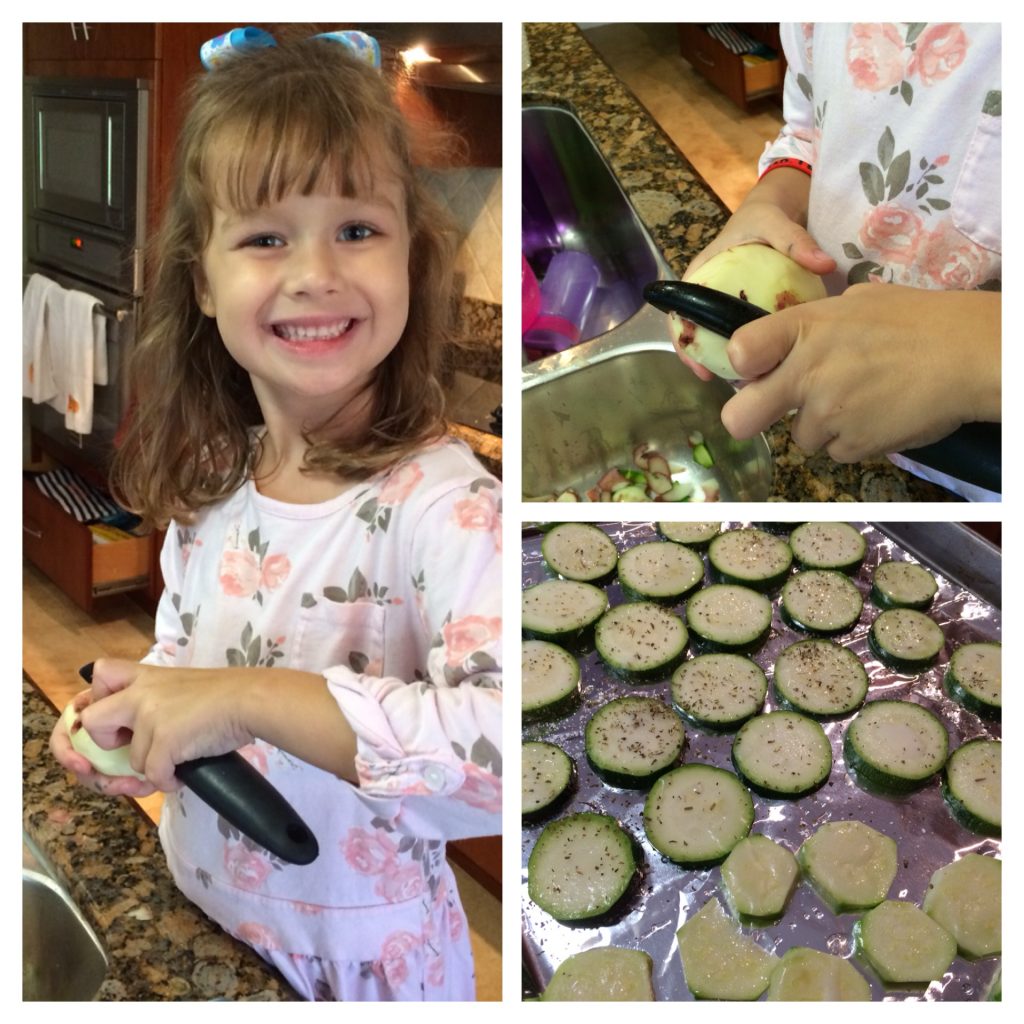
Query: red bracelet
{"type": "Point", "coordinates": [789, 161]}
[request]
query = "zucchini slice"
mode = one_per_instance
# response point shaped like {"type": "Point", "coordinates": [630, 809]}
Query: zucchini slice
{"type": "Point", "coordinates": [782, 754]}
{"type": "Point", "coordinates": [641, 641]}
{"type": "Point", "coordinates": [895, 745]}
{"type": "Point", "coordinates": [974, 678]}
{"type": "Point", "coordinates": [850, 864]}
{"type": "Point", "coordinates": [580, 866]}
{"type": "Point", "coordinates": [906, 640]}
{"type": "Point", "coordinates": [903, 585]}
{"type": "Point", "coordinates": [838, 546]}
{"type": "Point", "coordinates": [821, 601]}
{"type": "Point", "coordinates": [806, 975]}
{"type": "Point", "coordinates": [758, 876]}
{"type": "Point", "coordinates": [750, 558]}
{"type": "Point", "coordinates": [579, 551]}
{"type": "Point", "coordinates": [551, 680]}
{"type": "Point", "coordinates": [820, 678]}
{"type": "Point", "coordinates": [973, 783]}
{"type": "Point", "coordinates": [719, 961]}
{"type": "Point", "coordinates": [694, 535]}
{"type": "Point", "coordinates": [696, 814]}
{"type": "Point", "coordinates": [632, 740]}
{"type": "Point", "coordinates": [719, 691]}
{"type": "Point", "coordinates": [730, 617]}
{"type": "Point", "coordinates": [966, 898]}
{"type": "Point", "coordinates": [602, 974]}
{"type": "Point", "coordinates": [660, 571]}
{"type": "Point", "coordinates": [903, 944]}
{"type": "Point", "coordinates": [561, 609]}
{"type": "Point", "coordinates": [548, 775]}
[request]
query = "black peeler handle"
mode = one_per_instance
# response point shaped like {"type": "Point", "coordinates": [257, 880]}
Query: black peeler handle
{"type": "Point", "coordinates": [972, 453]}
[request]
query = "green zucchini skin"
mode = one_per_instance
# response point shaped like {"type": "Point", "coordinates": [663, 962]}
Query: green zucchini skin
{"type": "Point", "coordinates": [820, 656]}
{"type": "Point", "coordinates": [822, 578]}
{"type": "Point", "coordinates": [961, 691]}
{"type": "Point", "coordinates": [704, 537]}
{"type": "Point", "coordinates": [689, 562]}
{"type": "Point", "coordinates": [958, 803]}
{"type": "Point", "coordinates": [885, 600]}
{"type": "Point", "coordinates": [801, 540]}
{"type": "Point", "coordinates": [708, 713]}
{"type": "Point", "coordinates": [560, 798]}
{"type": "Point", "coordinates": [660, 721]}
{"type": "Point", "coordinates": [708, 641]}
{"type": "Point", "coordinates": [571, 631]}
{"type": "Point", "coordinates": [754, 539]}
{"type": "Point", "coordinates": [598, 541]}
{"type": "Point", "coordinates": [561, 706]}
{"type": "Point", "coordinates": [659, 668]}
{"type": "Point", "coordinates": [818, 748]}
{"type": "Point", "coordinates": [903, 663]}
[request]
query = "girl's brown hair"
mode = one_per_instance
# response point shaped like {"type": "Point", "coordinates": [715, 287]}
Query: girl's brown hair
{"type": "Point", "coordinates": [288, 118]}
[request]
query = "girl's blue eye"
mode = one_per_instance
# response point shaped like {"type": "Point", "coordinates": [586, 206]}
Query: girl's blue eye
{"type": "Point", "coordinates": [356, 232]}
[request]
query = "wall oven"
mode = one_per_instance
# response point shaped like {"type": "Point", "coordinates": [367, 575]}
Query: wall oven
{"type": "Point", "coordinates": [86, 144]}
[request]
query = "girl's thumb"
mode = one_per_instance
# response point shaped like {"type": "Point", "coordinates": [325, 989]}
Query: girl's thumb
{"type": "Point", "coordinates": [803, 249]}
{"type": "Point", "coordinates": [112, 674]}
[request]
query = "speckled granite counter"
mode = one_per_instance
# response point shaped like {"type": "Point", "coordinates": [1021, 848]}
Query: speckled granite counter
{"type": "Point", "coordinates": [683, 216]}
{"type": "Point", "coordinates": [160, 947]}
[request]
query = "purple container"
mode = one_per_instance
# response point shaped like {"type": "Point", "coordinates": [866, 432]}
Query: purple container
{"type": "Point", "coordinates": [565, 296]}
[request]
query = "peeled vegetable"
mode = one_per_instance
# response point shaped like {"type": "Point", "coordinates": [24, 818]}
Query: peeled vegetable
{"type": "Point", "coordinates": [755, 273]}
{"type": "Point", "coordinates": [109, 762]}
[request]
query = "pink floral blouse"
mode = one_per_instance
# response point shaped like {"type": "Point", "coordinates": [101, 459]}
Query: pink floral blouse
{"type": "Point", "coordinates": [902, 125]}
{"type": "Point", "coordinates": [393, 592]}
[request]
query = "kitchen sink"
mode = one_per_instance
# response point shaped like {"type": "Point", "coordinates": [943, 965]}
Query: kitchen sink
{"type": "Point", "coordinates": [572, 200]}
{"type": "Point", "coordinates": [62, 959]}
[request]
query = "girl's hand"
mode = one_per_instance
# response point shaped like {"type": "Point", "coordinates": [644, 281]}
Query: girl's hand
{"type": "Point", "coordinates": [170, 715]}
{"type": "Point", "coordinates": [878, 369]}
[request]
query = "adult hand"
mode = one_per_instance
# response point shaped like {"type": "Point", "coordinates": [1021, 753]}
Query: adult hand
{"type": "Point", "coordinates": [877, 369]}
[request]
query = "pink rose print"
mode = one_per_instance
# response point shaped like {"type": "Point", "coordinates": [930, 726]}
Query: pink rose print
{"type": "Point", "coordinates": [892, 232]}
{"type": "Point", "coordinates": [275, 571]}
{"type": "Point", "coordinates": [435, 972]}
{"type": "Point", "coordinates": [939, 51]}
{"type": "Point", "coordinates": [400, 883]}
{"type": "Point", "coordinates": [464, 637]}
{"type": "Point", "coordinates": [369, 854]}
{"type": "Point", "coordinates": [874, 56]}
{"type": "Point", "coordinates": [257, 935]}
{"type": "Point", "coordinates": [952, 261]}
{"type": "Point", "coordinates": [392, 956]}
{"type": "Point", "coordinates": [479, 512]}
{"type": "Point", "coordinates": [256, 755]}
{"type": "Point", "coordinates": [239, 573]}
{"type": "Point", "coordinates": [479, 789]}
{"type": "Point", "coordinates": [246, 868]}
{"type": "Point", "coordinates": [400, 484]}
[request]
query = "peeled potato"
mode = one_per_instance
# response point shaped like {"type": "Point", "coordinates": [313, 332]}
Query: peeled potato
{"type": "Point", "coordinates": [109, 762]}
{"type": "Point", "coordinates": [753, 272]}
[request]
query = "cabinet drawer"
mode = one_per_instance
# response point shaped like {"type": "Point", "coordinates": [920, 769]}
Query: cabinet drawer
{"type": "Point", "coordinates": [712, 60]}
{"type": "Point", "coordinates": [89, 41]}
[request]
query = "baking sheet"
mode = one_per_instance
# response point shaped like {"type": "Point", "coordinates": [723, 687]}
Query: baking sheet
{"type": "Point", "coordinates": [926, 833]}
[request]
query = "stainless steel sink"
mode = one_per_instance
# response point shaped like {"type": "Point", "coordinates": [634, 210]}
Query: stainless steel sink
{"type": "Point", "coordinates": [572, 200]}
{"type": "Point", "coordinates": [62, 959]}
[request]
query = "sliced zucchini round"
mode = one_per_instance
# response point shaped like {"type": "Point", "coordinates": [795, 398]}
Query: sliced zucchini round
{"type": "Point", "coordinates": [696, 814]}
{"type": "Point", "coordinates": [821, 601]}
{"type": "Point", "coordinates": [660, 571]}
{"type": "Point", "coordinates": [561, 609]}
{"type": "Point", "coordinates": [895, 745]}
{"type": "Point", "coordinates": [602, 974]}
{"type": "Point", "coordinates": [750, 558]}
{"type": "Point", "coordinates": [580, 866]}
{"type": "Point", "coordinates": [719, 961]}
{"type": "Point", "coordinates": [579, 551]}
{"type": "Point", "coordinates": [719, 691]}
{"type": "Point", "coordinates": [838, 546]}
{"type": "Point", "coordinates": [966, 898]}
{"type": "Point", "coordinates": [758, 876]}
{"type": "Point", "coordinates": [903, 944]}
{"type": "Point", "coordinates": [641, 641]}
{"type": "Point", "coordinates": [807, 975]}
{"type": "Point", "coordinates": [782, 754]}
{"type": "Point", "coordinates": [974, 678]}
{"type": "Point", "coordinates": [630, 741]}
{"type": "Point", "coordinates": [730, 617]}
{"type": "Point", "coordinates": [821, 678]}
{"type": "Point", "coordinates": [850, 864]}
{"type": "Point", "coordinates": [906, 640]}
{"type": "Point", "coordinates": [903, 585]}
{"type": "Point", "coordinates": [694, 535]}
{"type": "Point", "coordinates": [973, 785]}
{"type": "Point", "coordinates": [548, 775]}
{"type": "Point", "coordinates": [551, 680]}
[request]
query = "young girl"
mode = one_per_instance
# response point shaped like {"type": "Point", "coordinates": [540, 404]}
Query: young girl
{"type": "Point", "coordinates": [332, 603]}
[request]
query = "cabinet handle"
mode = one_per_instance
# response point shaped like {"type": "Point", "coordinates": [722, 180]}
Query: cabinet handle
{"type": "Point", "coordinates": [74, 34]}
{"type": "Point", "coordinates": [38, 534]}
{"type": "Point", "coordinates": [85, 31]}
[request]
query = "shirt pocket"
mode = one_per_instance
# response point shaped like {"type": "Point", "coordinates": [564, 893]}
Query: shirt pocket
{"type": "Point", "coordinates": [335, 633]}
{"type": "Point", "coordinates": [976, 203]}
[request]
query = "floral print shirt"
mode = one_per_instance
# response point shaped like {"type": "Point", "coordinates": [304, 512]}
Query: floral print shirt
{"type": "Point", "coordinates": [902, 126]}
{"type": "Point", "coordinates": [392, 591]}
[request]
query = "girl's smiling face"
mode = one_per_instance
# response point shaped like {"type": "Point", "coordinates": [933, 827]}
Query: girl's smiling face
{"type": "Point", "coordinates": [310, 294]}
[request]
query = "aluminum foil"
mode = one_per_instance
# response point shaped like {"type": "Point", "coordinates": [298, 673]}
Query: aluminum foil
{"type": "Point", "coordinates": [926, 834]}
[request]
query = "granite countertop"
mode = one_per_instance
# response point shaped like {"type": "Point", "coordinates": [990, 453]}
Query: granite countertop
{"type": "Point", "coordinates": [683, 215]}
{"type": "Point", "coordinates": [159, 945]}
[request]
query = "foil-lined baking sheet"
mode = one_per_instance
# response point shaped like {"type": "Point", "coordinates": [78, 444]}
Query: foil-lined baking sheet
{"type": "Point", "coordinates": [927, 836]}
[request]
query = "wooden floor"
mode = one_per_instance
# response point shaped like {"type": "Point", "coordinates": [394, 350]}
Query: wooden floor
{"type": "Point", "coordinates": [58, 638]}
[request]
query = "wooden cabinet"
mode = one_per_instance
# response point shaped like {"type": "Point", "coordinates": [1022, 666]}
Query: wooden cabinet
{"type": "Point", "coordinates": [742, 81]}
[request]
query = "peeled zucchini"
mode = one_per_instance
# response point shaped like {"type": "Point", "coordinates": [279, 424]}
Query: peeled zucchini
{"type": "Point", "coordinates": [966, 898]}
{"type": "Point", "coordinates": [758, 876]}
{"type": "Point", "coordinates": [903, 944]}
{"type": "Point", "coordinates": [805, 975]}
{"type": "Point", "coordinates": [850, 864]}
{"type": "Point", "coordinates": [603, 974]}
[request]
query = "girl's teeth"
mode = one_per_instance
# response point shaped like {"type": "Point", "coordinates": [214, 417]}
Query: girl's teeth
{"type": "Point", "coordinates": [290, 333]}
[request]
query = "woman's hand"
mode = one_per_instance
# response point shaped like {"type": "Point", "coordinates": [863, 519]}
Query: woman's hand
{"type": "Point", "coordinates": [877, 369]}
